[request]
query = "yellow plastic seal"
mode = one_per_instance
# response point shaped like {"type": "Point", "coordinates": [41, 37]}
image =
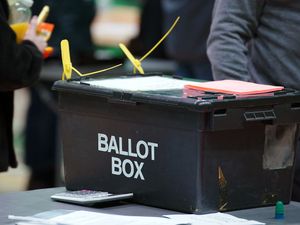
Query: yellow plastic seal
{"type": "Point", "coordinates": [66, 60]}
{"type": "Point", "coordinates": [137, 63]}
{"type": "Point", "coordinates": [67, 64]}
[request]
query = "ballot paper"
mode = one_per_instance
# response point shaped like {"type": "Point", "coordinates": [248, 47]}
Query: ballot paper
{"type": "Point", "coordinates": [211, 219]}
{"type": "Point", "coordinates": [146, 83]}
{"type": "Point", "coordinates": [234, 87]}
{"type": "Point", "coordinates": [94, 218]}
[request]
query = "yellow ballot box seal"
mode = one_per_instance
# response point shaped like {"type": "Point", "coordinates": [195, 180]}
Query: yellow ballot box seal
{"type": "Point", "coordinates": [137, 63]}
{"type": "Point", "coordinates": [67, 64]}
{"type": "Point", "coordinates": [66, 59]}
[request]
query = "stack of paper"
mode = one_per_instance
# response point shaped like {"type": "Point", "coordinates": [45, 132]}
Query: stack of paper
{"type": "Point", "coordinates": [233, 87]}
{"type": "Point", "coordinates": [211, 219]}
{"type": "Point", "coordinates": [93, 218]}
{"type": "Point", "coordinates": [147, 83]}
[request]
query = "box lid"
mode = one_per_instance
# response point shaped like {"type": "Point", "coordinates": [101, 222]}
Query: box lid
{"type": "Point", "coordinates": [169, 91]}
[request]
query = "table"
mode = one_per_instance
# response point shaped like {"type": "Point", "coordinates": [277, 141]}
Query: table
{"type": "Point", "coordinates": [28, 203]}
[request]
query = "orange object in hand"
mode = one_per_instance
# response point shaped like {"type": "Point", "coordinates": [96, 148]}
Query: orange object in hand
{"type": "Point", "coordinates": [48, 52]}
{"type": "Point", "coordinates": [45, 30]}
{"type": "Point", "coordinates": [20, 30]}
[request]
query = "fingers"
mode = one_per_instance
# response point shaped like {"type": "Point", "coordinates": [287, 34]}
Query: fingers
{"type": "Point", "coordinates": [41, 43]}
{"type": "Point", "coordinates": [33, 25]}
{"type": "Point", "coordinates": [31, 35]}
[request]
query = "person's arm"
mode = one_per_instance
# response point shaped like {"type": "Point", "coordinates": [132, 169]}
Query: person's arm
{"type": "Point", "coordinates": [234, 24]}
{"type": "Point", "coordinates": [20, 64]}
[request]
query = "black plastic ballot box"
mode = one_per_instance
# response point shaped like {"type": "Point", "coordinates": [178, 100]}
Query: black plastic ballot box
{"type": "Point", "coordinates": [178, 151]}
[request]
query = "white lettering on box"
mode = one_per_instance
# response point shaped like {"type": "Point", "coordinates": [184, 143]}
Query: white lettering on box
{"type": "Point", "coordinates": [153, 146]}
{"type": "Point", "coordinates": [139, 170]}
{"type": "Point", "coordinates": [121, 147]}
{"type": "Point", "coordinates": [116, 166]}
{"type": "Point", "coordinates": [130, 149]}
{"type": "Point", "coordinates": [130, 167]}
{"type": "Point", "coordinates": [127, 167]}
{"type": "Point", "coordinates": [113, 145]}
{"type": "Point", "coordinates": [102, 142]}
{"type": "Point", "coordinates": [140, 150]}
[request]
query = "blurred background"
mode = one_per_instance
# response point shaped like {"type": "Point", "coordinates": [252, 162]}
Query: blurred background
{"type": "Point", "coordinates": [17, 179]}
{"type": "Point", "coordinates": [94, 29]}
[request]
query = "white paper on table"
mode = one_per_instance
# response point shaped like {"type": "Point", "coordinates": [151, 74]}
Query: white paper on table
{"type": "Point", "coordinates": [147, 83]}
{"type": "Point", "coordinates": [212, 219]}
{"type": "Point", "coordinates": [93, 218]}
{"type": "Point", "coordinates": [30, 223]}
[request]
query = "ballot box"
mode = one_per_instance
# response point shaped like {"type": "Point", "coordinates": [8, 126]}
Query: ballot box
{"type": "Point", "coordinates": [144, 134]}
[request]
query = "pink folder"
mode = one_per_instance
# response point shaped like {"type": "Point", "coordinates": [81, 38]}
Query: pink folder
{"type": "Point", "coordinates": [233, 87]}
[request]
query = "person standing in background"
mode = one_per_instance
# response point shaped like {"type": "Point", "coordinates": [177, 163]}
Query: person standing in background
{"type": "Point", "coordinates": [187, 42]}
{"type": "Point", "coordinates": [257, 41]}
{"type": "Point", "coordinates": [20, 65]}
{"type": "Point", "coordinates": [150, 30]}
{"type": "Point", "coordinates": [72, 21]}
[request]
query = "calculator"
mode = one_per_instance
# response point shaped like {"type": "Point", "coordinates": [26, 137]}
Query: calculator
{"type": "Point", "coordinates": [89, 197]}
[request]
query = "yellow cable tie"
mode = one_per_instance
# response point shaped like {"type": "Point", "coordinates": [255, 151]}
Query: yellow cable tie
{"type": "Point", "coordinates": [66, 59]}
{"type": "Point", "coordinates": [135, 62]}
{"type": "Point", "coordinates": [77, 71]}
{"type": "Point", "coordinates": [161, 40]}
{"type": "Point", "coordinates": [95, 72]}
{"type": "Point", "coordinates": [104, 70]}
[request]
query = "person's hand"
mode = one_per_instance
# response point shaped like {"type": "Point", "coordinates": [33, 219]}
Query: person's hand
{"type": "Point", "coordinates": [32, 36]}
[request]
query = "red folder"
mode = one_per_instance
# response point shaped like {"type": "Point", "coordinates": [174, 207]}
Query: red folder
{"type": "Point", "coordinates": [233, 87]}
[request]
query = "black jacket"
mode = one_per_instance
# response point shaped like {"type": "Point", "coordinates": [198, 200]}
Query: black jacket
{"type": "Point", "coordinates": [187, 42]}
{"type": "Point", "coordinates": [20, 65]}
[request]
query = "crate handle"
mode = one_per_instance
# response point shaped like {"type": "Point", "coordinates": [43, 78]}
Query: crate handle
{"type": "Point", "coordinates": [260, 115]}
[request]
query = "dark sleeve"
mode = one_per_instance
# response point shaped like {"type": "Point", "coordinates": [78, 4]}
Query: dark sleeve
{"type": "Point", "coordinates": [20, 64]}
{"type": "Point", "coordinates": [76, 17]}
{"type": "Point", "coordinates": [187, 42]}
{"type": "Point", "coordinates": [234, 24]}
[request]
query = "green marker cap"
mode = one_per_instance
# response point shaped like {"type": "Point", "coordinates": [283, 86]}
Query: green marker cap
{"type": "Point", "coordinates": [279, 210]}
